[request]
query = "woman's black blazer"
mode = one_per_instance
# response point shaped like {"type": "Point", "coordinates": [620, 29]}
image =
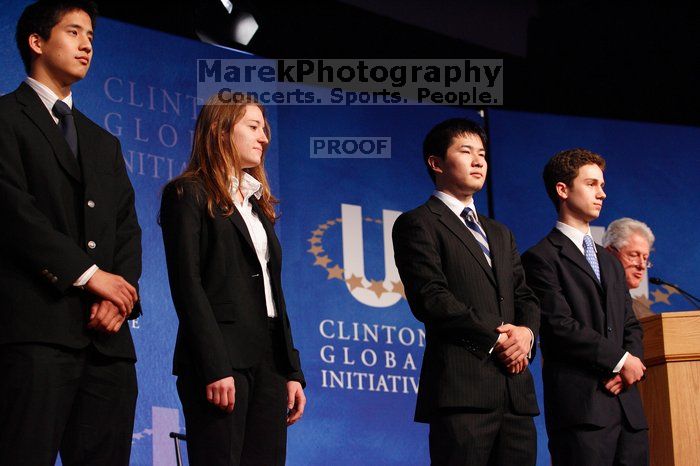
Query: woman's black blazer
{"type": "Point", "coordinates": [217, 287]}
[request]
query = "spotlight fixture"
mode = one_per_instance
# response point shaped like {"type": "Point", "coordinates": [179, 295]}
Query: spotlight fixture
{"type": "Point", "coordinates": [223, 22]}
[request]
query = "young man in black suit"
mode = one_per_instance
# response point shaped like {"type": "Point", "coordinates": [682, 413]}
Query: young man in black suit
{"type": "Point", "coordinates": [70, 258]}
{"type": "Point", "coordinates": [591, 340]}
{"type": "Point", "coordinates": [464, 281]}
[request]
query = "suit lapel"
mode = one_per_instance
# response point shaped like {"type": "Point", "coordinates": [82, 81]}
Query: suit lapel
{"type": "Point", "coordinates": [272, 242]}
{"type": "Point", "coordinates": [36, 111]}
{"type": "Point", "coordinates": [275, 262]}
{"type": "Point", "coordinates": [237, 219]}
{"type": "Point", "coordinates": [607, 274]}
{"type": "Point", "coordinates": [87, 146]}
{"type": "Point", "coordinates": [448, 219]}
{"type": "Point", "coordinates": [573, 254]}
{"type": "Point", "coordinates": [498, 254]}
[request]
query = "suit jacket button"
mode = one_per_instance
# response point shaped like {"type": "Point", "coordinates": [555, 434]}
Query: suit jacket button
{"type": "Point", "coordinates": [609, 329]}
{"type": "Point", "coordinates": [54, 279]}
{"type": "Point", "coordinates": [91, 203]}
{"type": "Point", "coordinates": [45, 272]}
{"type": "Point", "coordinates": [92, 244]}
{"type": "Point", "coordinates": [500, 298]}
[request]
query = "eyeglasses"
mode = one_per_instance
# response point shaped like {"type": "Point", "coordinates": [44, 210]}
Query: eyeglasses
{"type": "Point", "coordinates": [636, 258]}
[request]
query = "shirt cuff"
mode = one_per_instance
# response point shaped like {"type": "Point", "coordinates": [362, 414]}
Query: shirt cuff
{"type": "Point", "coordinates": [532, 342]}
{"type": "Point", "coordinates": [86, 276]}
{"type": "Point", "coordinates": [618, 368]}
{"type": "Point", "coordinates": [494, 345]}
{"type": "Point", "coordinates": [496, 342]}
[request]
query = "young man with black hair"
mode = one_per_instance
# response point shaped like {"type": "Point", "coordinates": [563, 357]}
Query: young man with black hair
{"type": "Point", "coordinates": [70, 258]}
{"type": "Point", "coordinates": [591, 340]}
{"type": "Point", "coordinates": [464, 281]}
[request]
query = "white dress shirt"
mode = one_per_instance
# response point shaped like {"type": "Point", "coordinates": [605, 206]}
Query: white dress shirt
{"type": "Point", "coordinates": [252, 187]}
{"type": "Point", "coordinates": [454, 204]}
{"type": "Point", "coordinates": [49, 98]}
{"type": "Point", "coordinates": [576, 237]}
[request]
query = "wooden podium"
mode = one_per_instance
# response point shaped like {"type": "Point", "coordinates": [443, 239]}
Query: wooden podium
{"type": "Point", "coordinates": [671, 391]}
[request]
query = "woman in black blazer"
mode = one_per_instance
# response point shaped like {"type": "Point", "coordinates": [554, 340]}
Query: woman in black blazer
{"type": "Point", "coordinates": [239, 376]}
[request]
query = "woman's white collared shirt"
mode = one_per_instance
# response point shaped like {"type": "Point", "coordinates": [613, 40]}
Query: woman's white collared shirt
{"type": "Point", "coordinates": [252, 187]}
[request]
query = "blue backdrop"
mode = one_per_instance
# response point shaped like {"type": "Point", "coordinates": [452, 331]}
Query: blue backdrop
{"type": "Point", "coordinates": [361, 348]}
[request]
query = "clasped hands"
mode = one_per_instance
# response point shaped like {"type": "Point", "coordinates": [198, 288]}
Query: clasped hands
{"type": "Point", "coordinates": [513, 346]}
{"type": "Point", "coordinates": [632, 372]}
{"type": "Point", "coordinates": [117, 301]}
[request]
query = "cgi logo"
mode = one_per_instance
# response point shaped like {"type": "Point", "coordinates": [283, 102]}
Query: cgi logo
{"type": "Point", "coordinates": [350, 147]}
{"type": "Point", "coordinates": [370, 292]}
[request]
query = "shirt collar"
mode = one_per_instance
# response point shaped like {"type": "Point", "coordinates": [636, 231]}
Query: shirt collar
{"type": "Point", "coordinates": [47, 96]}
{"type": "Point", "coordinates": [454, 204]}
{"type": "Point", "coordinates": [249, 187]}
{"type": "Point", "coordinates": [575, 235]}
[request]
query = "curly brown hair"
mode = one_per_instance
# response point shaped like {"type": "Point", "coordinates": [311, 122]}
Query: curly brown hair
{"type": "Point", "coordinates": [564, 166]}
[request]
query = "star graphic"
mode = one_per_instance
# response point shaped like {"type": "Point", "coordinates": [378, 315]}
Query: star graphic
{"type": "Point", "coordinates": [323, 227]}
{"type": "Point", "coordinates": [670, 289]}
{"type": "Point", "coordinates": [339, 220]}
{"type": "Point", "coordinates": [660, 297]}
{"type": "Point", "coordinates": [138, 436]}
{"type": "Point", "coordinates": [322, 261]}
{"type": "Point", "coordinates": [378, 221]}
{"type": "Point", "coordinates": [368, 219]}
{"type": "Point", "coordinates": [644, 300]}
{"type": "Point", "coordinates": [354, 282]}
{"type": "Point", "coordinates": [378, 287]}
{"type": "Point", "coordinates": [315, 250]}
{"type": "Point", "coordinates": [335, 272]}
{"type": "Point", "coordinates": [318, 232]}
{"type": "Point", "coordinates": [398, 288]}
{"type": "Point", "coordinates": [314, 240]}
{"type": "Point", "coordinates": [331, 222]}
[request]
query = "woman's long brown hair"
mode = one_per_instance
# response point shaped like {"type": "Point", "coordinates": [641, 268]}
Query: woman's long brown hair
{"type": "Point", "coordinates": [215, 159]}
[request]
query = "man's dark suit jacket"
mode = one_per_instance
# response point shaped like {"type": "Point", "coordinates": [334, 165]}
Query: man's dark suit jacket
{"type": "Point", "coordinates": [217, 287]}
{"type": "Point", "coordinates": [461, 300]}
{"type": "Point", "coordinates": [586, 329]}
{"type": "Point", "coordinates": [52, 206]}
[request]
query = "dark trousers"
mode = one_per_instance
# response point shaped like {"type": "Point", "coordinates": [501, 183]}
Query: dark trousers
{"type": "Point", "coordinates": [616, 444]}
{"type": "Point", "coordinates": [472, 437]}
{"type": "Point", "coordinates": [76, 401]}
{"type": "Point", "coordinates": [255, 433]}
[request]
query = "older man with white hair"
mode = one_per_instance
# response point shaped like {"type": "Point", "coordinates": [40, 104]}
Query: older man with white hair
{"type": "Point", "coordinates": [630, 241]}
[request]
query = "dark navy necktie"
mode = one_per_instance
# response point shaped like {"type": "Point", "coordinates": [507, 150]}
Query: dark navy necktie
{"type": "Point", "coordinates": [65, 121]}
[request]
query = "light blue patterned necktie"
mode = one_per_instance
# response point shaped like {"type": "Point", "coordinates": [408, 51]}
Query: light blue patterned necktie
{"type": "Point", "coordinates": [589, 252]}
{"type": "Point", "coordinates": [478, 232]}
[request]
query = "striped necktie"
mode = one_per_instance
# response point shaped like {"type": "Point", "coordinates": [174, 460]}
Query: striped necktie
{"type": "Point", "coordinates": [473, 224]}
{"type": "Point", "coordinates": [589, 252]}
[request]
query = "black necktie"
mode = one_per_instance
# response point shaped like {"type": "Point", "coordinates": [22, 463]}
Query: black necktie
{"type": "Point", "coordinates": [67, 124]}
